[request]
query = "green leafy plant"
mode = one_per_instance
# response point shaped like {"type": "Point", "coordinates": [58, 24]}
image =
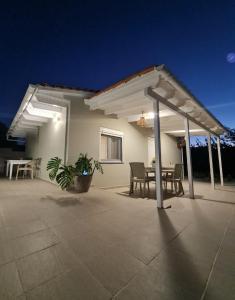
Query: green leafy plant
{"type": "Point", "coordinates": [65, 174]}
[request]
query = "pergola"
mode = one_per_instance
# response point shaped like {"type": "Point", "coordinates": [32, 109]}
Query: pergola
{"type": "Point", "coordinates": [168, 107]}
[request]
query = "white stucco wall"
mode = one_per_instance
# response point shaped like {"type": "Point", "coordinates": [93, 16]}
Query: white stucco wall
{"type": "Point", "coordinates": [49, 142]}
{"type": "Point", "coordinates": [170, 153]}
{"type": "Point", "coordinates": [84, 137]}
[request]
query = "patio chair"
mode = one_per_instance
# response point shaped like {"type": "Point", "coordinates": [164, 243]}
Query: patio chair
{"type": "Point", "coordinates": [37, 166]}
{"type": "Point", "coordinates": [175, 178]}
{"type": "Point", "coordinates": [27, 168]}
{"type": "Point", "coordinates": [138, 175]}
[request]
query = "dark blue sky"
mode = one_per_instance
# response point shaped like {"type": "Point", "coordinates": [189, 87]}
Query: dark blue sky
{"type": "Point", "coordinates": [94, 43]}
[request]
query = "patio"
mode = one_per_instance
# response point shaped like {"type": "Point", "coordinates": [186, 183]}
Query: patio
{"type": "Point", "coordinates": [103, 245]}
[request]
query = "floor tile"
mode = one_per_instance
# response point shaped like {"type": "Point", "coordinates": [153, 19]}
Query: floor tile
{"type": "Point", "coordinates": [153, 285]}
{"type": "Point", "coordinates": [185, 271]}
{"type": "Point", "coordinates": [196, 245]}
{"type": "Point", "coordinates": [226, 262]}
{"type": "Point", "coordinates": [77, 284]}
{"type": "Point", "coordinates": [25, 229]}
{"type": "Point", "coordinates": [44, 265]}
{"type": "Point", "coordinates": [229, 240]}
{"type": "Point", "coordinates": [220, 286]}
{"type": "Point", "coordinates": [31, 243]}
{"type": "Point", "coordinates": [6, 252]}
{"type": "Point", "coordinates": [111, 265]}
{"type": "Point", "coordinates": [10, 285]}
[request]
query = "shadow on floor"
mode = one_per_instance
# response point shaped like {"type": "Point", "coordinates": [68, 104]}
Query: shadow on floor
{"type": "Point", "coordinates": [180, 265]}
{"type": "Point", "coordinates": [151, 195]}
{"type": "Point", "coordinates": [63, 201]}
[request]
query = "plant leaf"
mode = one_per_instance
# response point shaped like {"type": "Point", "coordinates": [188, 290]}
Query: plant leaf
{"type": "Point", "coordinates": [66, 177]}
{"type": "Point", "coordinates": [53, 166]}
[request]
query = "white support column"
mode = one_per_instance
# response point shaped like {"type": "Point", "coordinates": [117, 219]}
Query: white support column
{"type": "Point", "coordinates": [220, 162]}
{"type": "Point", "coordinates": [189, 160]}
{"type": "Point", "coordinates": [182, 161]}
{"type": "Point", "coordinates": [211, 161]}
{"type": "Point", "coordinates": [158, 163]}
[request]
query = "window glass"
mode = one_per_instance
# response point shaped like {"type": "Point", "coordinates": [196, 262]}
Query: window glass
{"type": "Point", "coordinates": [111, 148]}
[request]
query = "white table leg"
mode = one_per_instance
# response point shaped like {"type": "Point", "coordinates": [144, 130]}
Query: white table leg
{"type": "Point", "coordinates": [11, 167]}
{"type": "Point", "coordinates": [7, 169]}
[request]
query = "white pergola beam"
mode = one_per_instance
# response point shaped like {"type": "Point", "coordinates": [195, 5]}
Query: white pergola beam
{"type": "Point", "coordinates": [189, 159]}
{"type": "Point", "coordinates": [211, 161]}
{"type": "Point", "coordinates": [121, 102]}
{"type": "Point", "coordinates": [136, 110]}
{"type": "Point", "coordinates": [220, 162]}
{"type": "Point", "coordinates": [151, 93]}
{"type": "Point", "coordinates": [122, 108]}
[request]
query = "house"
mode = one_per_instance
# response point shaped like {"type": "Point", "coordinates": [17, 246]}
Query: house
{"type": "Point", "coordinates": [60, 121]}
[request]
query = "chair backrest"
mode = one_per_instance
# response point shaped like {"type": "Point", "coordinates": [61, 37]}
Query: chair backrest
{"type": "Point", "coordinates": [38, 162]}
{"type": "Point", "coordinates": [137, 170]}
{"type": "Point", "coordinates": [178, 171]}
{"type": "Point", "coordinates": [31, 164]}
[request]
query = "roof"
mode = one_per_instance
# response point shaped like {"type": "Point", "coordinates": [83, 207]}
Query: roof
{"type": "Point", "coordinates": [126, 79]}
{"type": "Point", "coordinates": [61, 86]}
{"type": "Point", "coordinates": [127, 97]}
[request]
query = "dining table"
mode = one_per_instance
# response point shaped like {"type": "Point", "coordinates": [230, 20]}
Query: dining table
{"type": "Point", "coordinates": [11, 163]}
{"type": "Point", "coordinates": [165, 170]}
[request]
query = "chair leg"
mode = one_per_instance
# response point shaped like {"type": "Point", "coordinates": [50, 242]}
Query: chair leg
{"type": "Point", "coordinates": [148, 187]}
{"type": "Point", "coordinates": [17, 173]}
{"type": "Point", "coordinates": [144, 189]}
{"type": "Point", "coordinates": [181, 187]}
{"type": "Point", "coordinates": [176, 189]}
{"type": "Point", "coordinates": [141, 192]}
{"type": "Point", "coordinates": [31, 174]}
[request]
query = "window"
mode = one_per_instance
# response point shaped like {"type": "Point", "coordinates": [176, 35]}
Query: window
{"type": "Point", "coordinates": [111, 146]}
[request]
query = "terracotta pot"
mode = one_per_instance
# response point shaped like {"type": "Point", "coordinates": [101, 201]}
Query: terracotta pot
{"type": "Point", "coordinates": [82, 183]}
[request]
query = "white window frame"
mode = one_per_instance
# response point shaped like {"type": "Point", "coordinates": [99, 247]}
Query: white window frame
{"type": "Point", "coordinates": [115, 133]}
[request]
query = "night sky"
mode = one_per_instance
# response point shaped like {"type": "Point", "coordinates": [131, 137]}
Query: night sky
{"type": "Point", "coordinates": [92, 44]}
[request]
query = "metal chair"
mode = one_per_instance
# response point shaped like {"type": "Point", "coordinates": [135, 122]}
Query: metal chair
{"type": "Point", "coordinates": [175, 178]}
{"type": "Point", "coordinates": [29, 167]}
{"type": "Point", "coordinates": [138, 175]}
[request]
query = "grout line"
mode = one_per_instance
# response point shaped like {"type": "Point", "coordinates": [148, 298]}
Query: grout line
{"type": "Point", "coordinates": [168, 242]}
{"type": "Point", "coordinates": [215, 260]}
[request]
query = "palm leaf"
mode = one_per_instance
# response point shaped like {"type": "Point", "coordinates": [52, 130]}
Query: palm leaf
{"type": "Point", "coordinates": [53, 166]}
{"type": "Point", "coordinates": [65, 177]}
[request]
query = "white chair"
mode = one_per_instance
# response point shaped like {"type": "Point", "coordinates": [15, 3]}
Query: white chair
{"type": "Point", "coordinates": [27, 168]}
{"type": "Point", "coordinates": [37, 166]}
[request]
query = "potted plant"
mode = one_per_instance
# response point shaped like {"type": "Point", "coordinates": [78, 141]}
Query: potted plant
{"type": "Point", "coordinates": [77, 177]}
{"type": "Point", "coordinates": [153, 162]}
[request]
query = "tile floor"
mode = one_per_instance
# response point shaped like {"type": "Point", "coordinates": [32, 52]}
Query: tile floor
{"type": "Point", "coordinates": [106, 245]}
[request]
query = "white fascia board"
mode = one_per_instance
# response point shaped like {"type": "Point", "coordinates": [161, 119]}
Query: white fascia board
{"type": "Point", "coordinates": [64, 91]}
